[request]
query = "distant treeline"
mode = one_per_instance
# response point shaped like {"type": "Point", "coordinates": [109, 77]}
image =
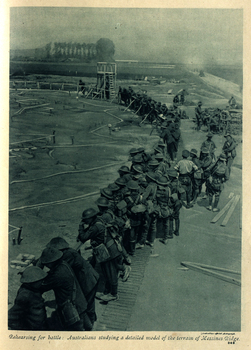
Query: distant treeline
{"type": "Point", "coordinates": [102, 50]}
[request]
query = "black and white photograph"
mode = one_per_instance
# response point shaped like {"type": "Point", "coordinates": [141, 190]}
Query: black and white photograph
{"type": "Point", "coordinates": [125, 191]}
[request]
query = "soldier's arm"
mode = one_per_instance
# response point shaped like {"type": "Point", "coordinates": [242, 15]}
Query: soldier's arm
{"type": "Point", "coordinates": [88, 233]}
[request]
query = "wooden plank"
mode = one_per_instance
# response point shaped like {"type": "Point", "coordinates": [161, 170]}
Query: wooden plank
{"type": "Point", "coordinates": [223, 210]}
{"type": "Point", "coordinates": [231, 210]}
{"type": "Point", "coordinates": [209, 267]}
{"type": "Point", "coordinates": [213, 274]}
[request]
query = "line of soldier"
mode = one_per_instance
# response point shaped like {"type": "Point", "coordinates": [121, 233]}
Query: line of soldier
{"type": "Point", "coordinates": [146, 107]}
{"type": "Point", "coordinates": [149, 193]}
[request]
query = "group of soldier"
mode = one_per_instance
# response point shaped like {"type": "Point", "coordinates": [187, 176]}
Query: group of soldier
{"type": "Point", "coordinates": [216, 120]}
{"type": "Point", "coordinates": [146, 197]}
{"type": "Point", "coordinates": [149, 109]}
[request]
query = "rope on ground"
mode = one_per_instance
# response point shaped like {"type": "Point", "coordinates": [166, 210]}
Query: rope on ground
{"type": "Point", "coordinates": [14, 227]}
{"type": "Point", "coordinates": [63, 201]}
{"type": "Point", "coordinates": [72, 146]}
{"type": "Point", "coordinates": [14, 230]}
{"type": "Point", "coordinates": [40, 138]}
{"type": "Point", "coordinates": [66, 173]}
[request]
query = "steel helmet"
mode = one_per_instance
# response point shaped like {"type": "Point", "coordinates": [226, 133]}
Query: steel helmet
{"type": "Point", "coordinates": [89, 213]}
{"type": "Point", "coordinates": [50, 255]}
{"type": "Point", "coordinates": [106, 192]}
{"type": "Point", "coordinates": [58, 243]}
{"type": "Point", "coordinates": [32, 274]}
{"type": "Point", "coordinates": [102, 202]}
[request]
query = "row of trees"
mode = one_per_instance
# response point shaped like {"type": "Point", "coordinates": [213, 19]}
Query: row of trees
{"type": "Point", "coordinates": [103, 50]}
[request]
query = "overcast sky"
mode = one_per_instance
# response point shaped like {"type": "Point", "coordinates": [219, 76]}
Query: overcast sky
{"type": "Point", "coordinates": [200, 36]}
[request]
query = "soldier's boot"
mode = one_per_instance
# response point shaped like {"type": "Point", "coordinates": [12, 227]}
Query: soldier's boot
{"type": "Point", "coordinates": [216, 201]}
{"type": "Point", "coordinates": [132, 245]}
{"type": "Point", "coordinates": [210, 202]}
{"type": "Point", "coordinates": [167, 234]}
{"type": "Point", "coordinates": [177, 227]}
{"type": "Point", "coordinates": [196, 193]}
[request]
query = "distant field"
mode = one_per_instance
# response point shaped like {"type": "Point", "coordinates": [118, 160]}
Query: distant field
{"type": "Point", "coordinates": [124, 71]}
{"type": "Point", "coordinates": [233, 74]}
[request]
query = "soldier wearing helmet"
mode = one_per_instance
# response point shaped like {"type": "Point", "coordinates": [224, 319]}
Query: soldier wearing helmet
{"type": "Point", "coordinates": [28, 312]}
{"type": "Point", "coordinates": [229, 150]}
{"type": "Point", "coordinates": [86, 275]}
{"type": "Point", "coordinates": [105, 248]}
{"type": "Point", "coordinates": [71, 304]}
{"type": "Point", "coordinates": [219, 175]}
{"type": "Point", "coordinates": [207, 163]}
{"type": "Point", "coordinates": [198, 115]}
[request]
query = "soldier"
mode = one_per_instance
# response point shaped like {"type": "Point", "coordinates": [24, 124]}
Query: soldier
{"type": "Point", "coordinates": [28, 312]}
{"type": "Point", "coordinates": [132, 200]}
{"type": "Point", "coordinates": [197, 176]}
{"type": "Point", "coordinates": [198, 115]}
{"type": "Point", "coordinates": [150, 215]}
{"type": "Point", "coordinates": [86, 275]}
{"type": "Point", "coordinates": [210, 145]}
{"type": "Point", "coordinates": [185, 169]}
{"type": "Point", "coordinates": [125, 173]}
{"type": "Point", "coordinates": [175, 201]}
{"type": "Point", "coordinates": [219, 175]}
{"type": "Point", "coordinates": [162, 197]}
{"type": "Point", "coordinates": [229, 150]}
{"type": "Point", "coordinates": [70, 314]}
{"type": "Point", "coordinates": [232, 102]}
{"type": "Point", "coordinates": [163, 166]}
{"type": "Point", "coordinates": [206, 165]}
{"type": "Point", "coordinates": [105, 249]}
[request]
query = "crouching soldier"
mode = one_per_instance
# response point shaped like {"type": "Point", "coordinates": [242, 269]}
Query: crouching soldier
{"type": "Point", "coordinates": [106, 249]}
{"type": "Point", "coordinates": [86, 275]}
{"type": "Point", "coordinates": [28, 312]}
{"type": "Point", "coordinates": [219, 174]}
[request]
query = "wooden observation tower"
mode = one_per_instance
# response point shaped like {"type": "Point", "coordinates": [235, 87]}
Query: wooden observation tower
{"type": "Point", "coordinates": [106, 80]}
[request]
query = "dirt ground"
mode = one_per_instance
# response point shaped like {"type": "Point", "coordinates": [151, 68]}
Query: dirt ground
{"type": "Point", "coordinates": [46, 178]}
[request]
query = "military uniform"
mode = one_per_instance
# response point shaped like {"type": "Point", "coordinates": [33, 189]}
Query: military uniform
{"type": "Point", "coordinates": [185, 169]}
{"type": "Point", "coordinates": [219, 175]}
{"type": "Point", "coordinates": [28, 312]}
{"type": "Point", "coordinates": [96, 232]}
{"type": "Point", "coordinates": [229, 150]}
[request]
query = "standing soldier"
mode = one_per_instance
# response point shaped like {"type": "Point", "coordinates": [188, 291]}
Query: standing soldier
{"type": "Point", "coordinates": [219, 175]}
{"type": "Point", "coordinates": [197, 176]}
{"type": "Point", "coordinates": [162, 197]}
{"type": "Point", "coordinates": [28, 312]}
{"type": "Point", "coordinates": [206, 165]}
{"type": "Point", "coordinates": [210, 145]}
{"type": "Point", "coordinates": [105, 249]}
{"type": "Point", "coordinates": [185, 169]}
{"type": "Point", "coordinates": [229, 150]}
{"type": "Point", "coordinates": [198, 115]}
{"type": "Point", "coordinates": [176, 202]}
{"type": "Point", "coordinates": [132, 200]}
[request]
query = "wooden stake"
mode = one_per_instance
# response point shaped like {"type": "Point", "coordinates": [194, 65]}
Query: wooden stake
{"type": "Point", "coordinates": [210, 267]}
{"type": "Point", "coordinates": [223, 210]}
{"type": "Point", "coordinates": [211, 273]}
{"type": "Point", "coordinates": [231, 210]}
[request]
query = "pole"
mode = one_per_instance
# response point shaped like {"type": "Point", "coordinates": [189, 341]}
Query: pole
{"type": "Point", "coordinates": [19, 239]}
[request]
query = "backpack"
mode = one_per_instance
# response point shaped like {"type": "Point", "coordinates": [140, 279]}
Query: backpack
{"type": "Point", "coordinates": [111, 248]}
